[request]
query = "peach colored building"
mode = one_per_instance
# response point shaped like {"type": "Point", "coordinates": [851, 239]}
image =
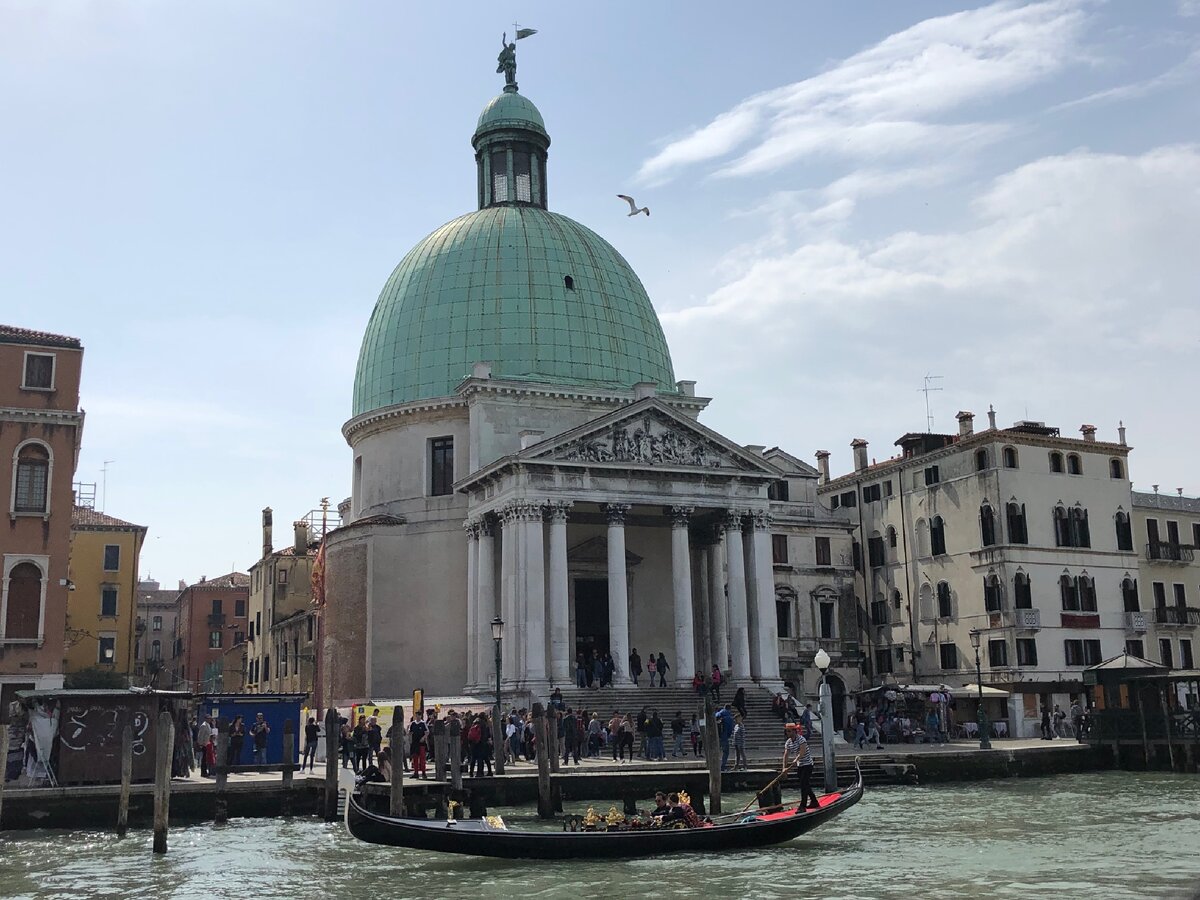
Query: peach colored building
{"type": "Point", "coordinates": [41, 427]}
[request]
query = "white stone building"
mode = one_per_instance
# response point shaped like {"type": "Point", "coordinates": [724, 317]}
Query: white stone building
{"type": "Point", "coordinates": [1167, 533]}
{"type": "Point", "coordinates": [1018, 532]}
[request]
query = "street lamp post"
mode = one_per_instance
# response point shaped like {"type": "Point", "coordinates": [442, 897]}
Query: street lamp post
{"type": "Point", "coordinates": [497, 728]}
{"type": "Point", "coordinates": [984, 742]}
{"type": "Point", "coordinates": [825, 698]}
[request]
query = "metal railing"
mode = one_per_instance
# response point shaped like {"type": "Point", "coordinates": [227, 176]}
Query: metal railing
{"type": "Point", "coordinates": [1176, 615]}
{"type": "Point", "coordinates": [1168, 552]}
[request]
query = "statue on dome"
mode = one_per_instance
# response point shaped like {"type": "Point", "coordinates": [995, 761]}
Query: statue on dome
{"type": "Point", "coordinates": [507, 61]}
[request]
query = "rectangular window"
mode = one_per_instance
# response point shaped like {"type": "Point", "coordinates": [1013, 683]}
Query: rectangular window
{"type": "Point", "coordinates": [1186, 660]}
{"type": "Point", "coordinates": [283, 575]}
{"type": "Point", "coordinates": [1180, 595]}
{"type": "Point", "coordinates": [214, 639]}
{"type": "Point", "coordinates": [1196, 535]}
{"type": "Point", "coordinates": [266, 668]}
{"type": "Point", "coordinates": [239, 608]}
{"type": "Point", "coordinates": [1160, 594]}
{"type": "Point", "coordinates": [879, 612]}
{"type": "Point", "coordinates": [783, 618]}
{"type": "Point", "coordinates": [849, 499]}
{"type": "Point", "coordinates": [856, 554]}
{"type": "Point", "coordinates": [1027, 652]}
{"type": "Point", "coordinates": [39, 371]}
{"type": "Point", "coordinates": [156, 649]}
{"type": "Point", "coordinates": [1073, 652]}
{"type": "Point", "coordinates": [258, 623]}
{"type": "Point", "coordinates": [499, 176]}
{"type": "Point", "coordinates": [876, 555]}
{"type": "Point", "coordinates": [828, 613]}
{"type": "Point", "coordinates": [112, 557]}
{"type": "Point", "coordinates": [441, 466]}
{"type": "Point", "coordinates": [823, 554]}
{"type": "Point", "coordinates": [835, 502]}
{"type": "Point", "coordinates": [883, 661]}
{"type": "Point", "coordinates": [108, 600]}
{"type": "Point", "coordinates": [1164, 652]}
{"type": "Point", "coordinates": [779, 549]}
{"type": "Point", "coordinates": [309, 623]}
{"type": "Point", "coordinates": [997, 654]}
{"type": "Point", "coordinates": [871, 494]}
{"type": "Point", "coordinates": [778, 491]}
{"type": "Point", "coordinates": [1135, 648]}
{"type": "Point", "coordinates": [216, 606]}
{"type": "Point", "coordinates": [948, 654]}
{"type": "Point", "coordinates": [1091, 653]}
{"type": "Point", "coordinates": [521, 176]}
{"type": "Point", "coordinates": [887, 488]}
{"type": "Point", "coordinates": [283, 659]}
{"type": "Point", "coordinates": [239, 637]}
{"type": "Point", "coordinates": [108, 650]}
{"type": "Point", "coordinates": [932, 476]}
{"type": "Point", "coordinates": [157, 626]}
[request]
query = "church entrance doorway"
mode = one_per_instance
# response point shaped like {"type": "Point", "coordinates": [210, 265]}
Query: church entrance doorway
{"type": "Point", "coordinates": [591, 616]}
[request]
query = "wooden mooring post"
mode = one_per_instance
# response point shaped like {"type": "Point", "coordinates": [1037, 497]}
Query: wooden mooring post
{"type": "Point", "coordinates": [165, 750]}
{"type": "Point", "coordinates": [454, 732]}
{"type": "Point", "coordinates": [439, 749]}
{"type": "Point", "coordinates": [126, 778]}
{"type": "Point", "coordinates": [396, 797]}
{"type": "Point", "coordinates": [3, 758]}
{"type": "Point", "coordinates": [543, 722]}
{"type": "Point", "coordinates": [712, 756]}
{"type": "Point", "coordinates": [552, 718]}
{"type": "Point", "coordinates": [221, 805]}
{"type": "Point", "coordinates": [289, 764]}
{"type": "Point", "coordinates": [332, 736]}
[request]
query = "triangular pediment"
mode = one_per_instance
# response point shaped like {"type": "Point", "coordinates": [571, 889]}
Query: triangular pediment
{"type": "Point", "coordinates": [594, 551]}
{"type": "Point", "coordinates": [790, 465]}
{"type": "Point", "coordinates": [649, 434]}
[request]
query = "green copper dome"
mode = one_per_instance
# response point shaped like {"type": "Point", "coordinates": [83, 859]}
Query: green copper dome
{"type": "Point", "coordinates": [536, 294]}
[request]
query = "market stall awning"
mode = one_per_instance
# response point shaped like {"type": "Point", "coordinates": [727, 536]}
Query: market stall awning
{"type": "Point", "coordinates": [971, 692]}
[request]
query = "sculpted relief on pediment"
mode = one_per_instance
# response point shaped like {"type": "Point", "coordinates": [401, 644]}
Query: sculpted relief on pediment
{"type": "Point", "coordinates": [649, 440]}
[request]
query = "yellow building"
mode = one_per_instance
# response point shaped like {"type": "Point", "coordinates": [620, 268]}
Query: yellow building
{"type": "Point", "coordinates": [102, 601]}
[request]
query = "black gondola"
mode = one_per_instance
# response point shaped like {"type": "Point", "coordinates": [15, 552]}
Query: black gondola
{"type": "Point", "coordinates": [476, 837]}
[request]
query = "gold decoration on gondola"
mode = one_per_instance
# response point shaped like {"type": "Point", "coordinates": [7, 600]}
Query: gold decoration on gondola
{"type": "Point", "coordinates": [496, 822]}
{"type": "Point", "coordinates": [614, 817]}
{"type": "Point", "coordinates": [685, 797]}
{"type": "Point", "coordinates": [450, 807]}
{"type": "Point", "coordinates": [590, 818]}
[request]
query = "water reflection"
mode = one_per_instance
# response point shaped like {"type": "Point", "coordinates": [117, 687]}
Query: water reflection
{"type": "Point", "coordinates": [1131, 835]}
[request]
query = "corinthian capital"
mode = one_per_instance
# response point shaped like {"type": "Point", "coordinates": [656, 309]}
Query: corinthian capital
{"type": "Point", "coordinates": [760, 520]}
{"type": "Point", "coordinates": [616, 513]}
{"type": "Point", "coordinates": [733, 519]}
{"type": "Point", "coordinates": [560, 509]}
{"type": "Point", "coordinates": [680, 516]}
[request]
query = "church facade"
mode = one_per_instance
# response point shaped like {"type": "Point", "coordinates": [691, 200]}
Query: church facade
{"type": "Point", "coordinates": [522, 450]}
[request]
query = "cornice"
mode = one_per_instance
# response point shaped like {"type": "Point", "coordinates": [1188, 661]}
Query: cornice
{"type": "Point", "coordinates": [41, 416]}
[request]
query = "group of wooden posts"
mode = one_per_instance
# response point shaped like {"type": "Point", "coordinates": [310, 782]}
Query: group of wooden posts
{"type": "Point", "coordinates": [445, 741]}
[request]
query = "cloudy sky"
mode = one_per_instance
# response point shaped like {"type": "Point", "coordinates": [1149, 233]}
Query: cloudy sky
{"type": "Point", "coordinates": [846, 198]}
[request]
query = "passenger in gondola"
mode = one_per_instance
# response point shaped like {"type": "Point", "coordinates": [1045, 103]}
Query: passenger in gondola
{"type": "Point", "coordinates": [661, 807]}
{"type": "Point", "coordinates": [680, 812]}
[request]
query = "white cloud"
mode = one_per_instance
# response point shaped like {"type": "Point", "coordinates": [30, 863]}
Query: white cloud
{"type": "Point", "coordinates": [1182, 73]}
{"type": "Point", "coordinates": [889, 99]}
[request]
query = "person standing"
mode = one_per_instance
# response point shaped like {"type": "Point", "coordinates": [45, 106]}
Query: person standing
{"type": "Point", "coordinates": [597, 670]}
{"type": "Point", "coordinates": [312, 737]}
{"type": "Point", "coordinates": [796, 753]}
{"type": "Point", "coordinates": [417, 731]}
{"type": "Point", "coordinates": [739, 744]}
{"type": "Point", "coordinates": [739, 702]}
{"type": "Point", "coordinates": [580, 671]}
{"type": "Point", "coordinates": [570, 737]}
{"type": "Point", "coordinates": [625, 738]}
{"type": "Point", "coordinates": [237, 740]}
{"type": "Point", "coordinates": [374, 736]}
{"type": "Point", "coordinates": [643, 744]}
{"type": "Point", "coordinates": [1077, 720]}
{"type": "Point", "coordinates": [651, 667]}
{"type": "Point", "coordinates": [677, 727]}
{"type": "Point", "coordinates": [806, 721]}
{"type": "Point", "coordinates": [715, 682]}
{"type": "Point", "coordinates": [360, 745]}
{"type": "Point", "coordinates": [654, 736]}
{"type": "Point", "coordinates": [203, 733]}
{"type": "Point", "coordinates": [725, 732]}
{"type": "Point", "coordinates": [662, 670]}
{"type": "Point", "coordinates": [1047, 734]}
{"type": "Point", "coordinates": [610, 668]}
{"type": "Point", "coordinates": [1059, 719]}
{"type": "Point", "coordinates": [635, 666]}
{"type": "Point", "coordinates": [260, 731]}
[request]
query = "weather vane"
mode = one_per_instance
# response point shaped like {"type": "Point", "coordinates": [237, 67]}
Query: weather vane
{"type": "Point", "coordinates": [506, 62]}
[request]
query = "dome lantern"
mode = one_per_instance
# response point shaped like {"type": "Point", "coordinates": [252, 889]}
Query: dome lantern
{"type": "Point", "coordinates": [510, 144]}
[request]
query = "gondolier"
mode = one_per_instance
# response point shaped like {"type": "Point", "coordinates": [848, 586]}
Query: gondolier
{"type": "Point", "coordinates": [796, 753]}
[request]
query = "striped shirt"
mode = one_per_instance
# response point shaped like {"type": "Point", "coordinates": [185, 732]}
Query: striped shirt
{"type": "Point", "coordinates": [796, 749]}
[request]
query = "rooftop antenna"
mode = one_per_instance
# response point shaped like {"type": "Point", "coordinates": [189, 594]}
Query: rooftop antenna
{"type": "Point", "coordinates": [925, 390]}
{"type": "Point", "coordinates": [104, 484]}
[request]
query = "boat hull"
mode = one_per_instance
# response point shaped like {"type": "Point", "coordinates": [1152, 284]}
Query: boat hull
{"type": "Point", "coordinates": [476, 838]}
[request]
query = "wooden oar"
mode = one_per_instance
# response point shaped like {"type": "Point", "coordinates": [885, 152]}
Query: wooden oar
{"type": "Point", "coordinates": [774, 782]}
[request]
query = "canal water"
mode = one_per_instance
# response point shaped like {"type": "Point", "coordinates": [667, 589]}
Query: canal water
{"type": "Point", "coordinates": [1100, 836]}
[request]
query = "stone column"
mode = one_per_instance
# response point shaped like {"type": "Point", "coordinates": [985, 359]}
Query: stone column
{"type": "Point", "coordinates": [763, 578]}
{"type": "Point", "coordinates": [718, 608]}
{"type": "Point", "coordinates": [509, 587]}
{"type": "Point", "coordinates": [735, 564]}
{"type": "Point", "coordinates": [560, 614]}
{"type": "Point", "coordinates": [751, 596]}
{"type": "Point", "coordinates": [533, 584]}
{"type": "Point", "coordinates": [471, 527]}
{"type": "Point", "coordinates": [485, 582]}
{"type": "Point", "coordinates": [681, 588]}
{"type": "Point", "coordinates": [618, 592]}
{"type": "Point", "coordinates": [701, 623]}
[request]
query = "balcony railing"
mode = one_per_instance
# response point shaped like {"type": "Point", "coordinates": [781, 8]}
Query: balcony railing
{"type": "Point", "coordinates": [1027, 619]}
{"type": "Point", "coordinates": [1136, 620]}
{"type": "Point", "coordinates": [1167, 552]}
{"type": "Point", "coordinates": [1176, 615]}
{"type": "Point", "coordinates": [216, 619]}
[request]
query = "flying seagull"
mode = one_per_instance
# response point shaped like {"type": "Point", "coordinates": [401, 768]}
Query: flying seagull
{"type": "Point", "coordinates": [633, 207]}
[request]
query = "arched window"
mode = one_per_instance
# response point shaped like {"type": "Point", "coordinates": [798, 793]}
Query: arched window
{"type": "Point", "coordinates": [1068, 589]}
{"type": "Point", "coordinates": [1074, 464]}
{"type": "Point", "coordinates": [987, 525]}
{"type": "Point", "coordinates": [1022, 595]}
{"type": "Point", "coordinates": [785, 601]}
{"type": "Point", "coordinates": [1115, 469]}
{"type": "Point", "coordinates": [1124, 532]}
{"type": "Point", "coordinates": [922, 529]}
{"type": "Point", "coordinates": [32, 479]}
{"type": "Point", "coordinates": [1062, 527]}
{"type": "Point", "coordinates": [937, 536]}
{"type": "Point", "coordinates": [1056, 462]}
{"type": "Point", "coordinates": [981, 460]}
{"type": "Point", "coordinates": [1010, 457]}
{"type": "Point", "coordinates": [1087, 593]}
{"type": "Point", "coordinates": [897, 598]}
{"type": "Point", "coordinates": [993, 595]}
{"type": "Point", "coordinates": [156, 649]}
{"type": "Point", "coordinates": [945, 602]}
{"type": "Point", "coordinates": [1129, 594]}
{"type": "Point", "coordinates": [22, 620]}
{"type": "Point", "coordinates": [1080, 533]}
{"type": "Point", "coordinates": [925, 602]}
{"type": "Point", "coordinates": [891, 537]}
{"type": "Point", "coordinates": [1018, 531]}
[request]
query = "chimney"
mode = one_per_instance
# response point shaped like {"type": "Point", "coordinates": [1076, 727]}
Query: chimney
{"type": "Point", "coordinates": [300, 530]}
{"type": "Point", "coordinates": [481, 370]}
{"type": "Point", "coordinates": [530, 437]}
{"type": "Point", "coordinates": [991, 417]}
{"type": "Point", "coordinates": [966, 423]}
{"type": "Point", "coordinates": [686, 388]}
{"type": "Point", "coordinates": [1121, 433]}
{"type": "Point", "coordinates": [266, 522]}
{"type": "Point", "coordinates": [823, 466]}
{"type": "Point", "coordinates": [1089, 432]}
{"type": "Point", "coordinates": [644, 389]}
{"type": "Point", "coordinates": [860, 454]}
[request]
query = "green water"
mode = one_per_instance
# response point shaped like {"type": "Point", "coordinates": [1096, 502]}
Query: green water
{"type": "Point", "coordinates": [1102, 836]}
